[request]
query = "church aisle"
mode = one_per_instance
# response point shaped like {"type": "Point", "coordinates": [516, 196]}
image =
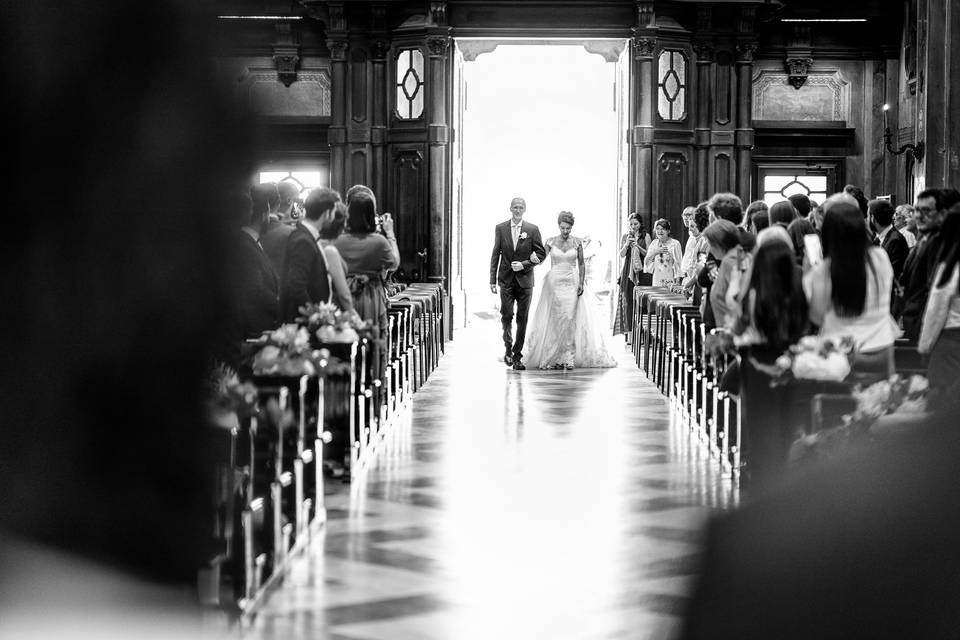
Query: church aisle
{"type": "Point", "coordinates": [561, 505]}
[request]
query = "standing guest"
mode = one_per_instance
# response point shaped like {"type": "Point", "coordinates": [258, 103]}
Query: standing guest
{"type": "Point", "coordinates": [888, 238]}
{"type": "Point", "coordinates": [782, 213]}
{"type": "Point", "coordinates": [760, 221]}
{"type": "Point", "coordinates": [727, 206]}
{"type": "Point", "coordinates": [687, 216]}
{"type": "Point", "coordinates": [279, 227]}
{"type": "Point", "coordinates": [857, 194]}
{"type": "Point", "coordinates": [755, 207]}
{"type": "Point", "coordinates": [330, 230]}
{"type": "Point", "coordinates": [305, 274]}
{"type": "Point", "coordinates": [633, 250]}
{"type": "Point", "coordinates": [663, 256]}
{"type": "Point", "coordinates": [940, 335]}
{"type": "Point", "coordinates": [696, 249]}
{"type": "Point", "coordinates": [287, 208]}
{"type": "Point", "coordinates": [816, 216]}
{"type": "Point", "coordinates": [905, 224]}
{"type": "Point", "coordinates": [918, 268]}
{"type": "Point", "coordinates": [797, 230]}
{"type": "Point", "coordinates": [368, 255]}
{"type": "Point", "coordinates": [725, 248]}
{"type": "Point", "coordinates": [266, 199]}
{"type": "Point", "coordinates": [849, 292]}
{"type": "Point", "coordinates": [802, 204]}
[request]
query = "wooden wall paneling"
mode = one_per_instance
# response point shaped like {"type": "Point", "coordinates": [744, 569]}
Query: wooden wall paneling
{"type": "Point", "coordinates": [408, 191]}
{"type": "Point", "coordinates": [358, 85]}
{"type": "Point", "coordinates": [704, 100]}
{"type": "Point", "coordinates": [643, 106]}
{"type": "Point", "coordinates": [673, 186]}
{"type": "Point", "coordinates": [724, 82]}
{"type": "Point", "coordinates": [723, 172]}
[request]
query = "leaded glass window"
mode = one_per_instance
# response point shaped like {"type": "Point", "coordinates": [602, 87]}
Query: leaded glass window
{"type": "Point", "coordinates": [672, 94]}
{"type": "Point", "coordinates": [304, 181]}
{"type": "Point", "coordinates": [777, 187]}
{"type": "Point", "coordinates": [410, 84]}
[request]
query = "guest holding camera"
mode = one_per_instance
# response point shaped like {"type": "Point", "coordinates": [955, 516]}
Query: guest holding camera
{"type": "Point", "coordinates": [633, 249]}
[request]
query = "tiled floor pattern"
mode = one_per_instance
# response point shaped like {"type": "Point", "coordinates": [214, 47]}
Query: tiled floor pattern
{"type": "Point", "coordinates": [527, 505]}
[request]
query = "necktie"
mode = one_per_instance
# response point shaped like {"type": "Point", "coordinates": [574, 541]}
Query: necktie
{"type": "Point", "coordinates": [516, 235]}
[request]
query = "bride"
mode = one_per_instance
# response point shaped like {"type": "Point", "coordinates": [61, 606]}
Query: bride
{"type": "Point", "coordinates": [564, 333]}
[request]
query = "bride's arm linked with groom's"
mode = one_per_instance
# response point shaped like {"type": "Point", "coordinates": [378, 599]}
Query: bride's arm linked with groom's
{"type": "Point", "coordinates": [509, 264]}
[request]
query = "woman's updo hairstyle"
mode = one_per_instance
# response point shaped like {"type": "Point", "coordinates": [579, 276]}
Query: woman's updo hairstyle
{"type": "Point", "coordinates": [565, 216]}
{"type": "Point", "coordinates": [662, 222]}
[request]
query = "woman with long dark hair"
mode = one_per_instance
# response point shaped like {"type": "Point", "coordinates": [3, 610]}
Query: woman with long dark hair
{"type": "Point", "coordinates": [774, 317]}
{"type": "Point", "coordinates": [849, 292]}
{"type": "Point", "coordinates": [940, 334]}
{"type": "Point", "coordinates": [798, 229]}
{"type": "Point", "coordinates": [633, 250]}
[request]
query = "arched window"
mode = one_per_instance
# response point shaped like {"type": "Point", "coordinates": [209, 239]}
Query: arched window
{"type": "Point", "coordinates": [672, 94]}
{"type": "Point", "coordinates": [410, 84]}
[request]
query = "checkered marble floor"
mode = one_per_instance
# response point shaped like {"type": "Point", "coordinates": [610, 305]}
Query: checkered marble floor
{"type": "Point", "coordinates": [511, 505]}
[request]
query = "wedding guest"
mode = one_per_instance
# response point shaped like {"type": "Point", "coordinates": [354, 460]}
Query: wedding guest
{"type": "Point", "coordinates": [940, 334]}
{"type": "Point", "coordinates": [888, 238]}
{"type": "Point", "coordinates": [725, 248]}
{"type": "Point", "coordinates": [801, 202]}
{"type": "Point", "coordinates": [918, 267]}
{"type": "Point", "coordinates": [279, 227]}
{"type": "Point", "coordinates": [857, 194]}
{"type": "Point", "coordinates": [782, 213]}
{"type": "Point", "coordinates": [905, 224]}
{"type": "Point", "coordinates": [773, 317]}
{"type": "Point", "coordinates": [633, 250]}
{"type": "Point", "coordinates": [849, 291]}
{"type": "Point", "coordinates": [816, 216]}
{"type": "Point", "coordinates": [687, 216]}
{"type": "Point", "coordinates": [287, 211]}
{"type": "Point", "coordinates": [697, 249]}
{"type": "Point", "coordinates": [759, 221]}
{"type": "Point", "coordinates": [754, 208]}
{"type": "Point", "coordinates": [368, 255]}
{"type": "Point", "coordinates": [266, 200]}
{"type": "Point", "coordinates": [663, 256]}
{"type": "Point", "coordinates": [330, 230]}
{"type": "Point", "coordinates": [727, 206]}
{"type": "Point", "coordinates": [797, 229]}
{"type": "Point", "coordinates": [306, 277]}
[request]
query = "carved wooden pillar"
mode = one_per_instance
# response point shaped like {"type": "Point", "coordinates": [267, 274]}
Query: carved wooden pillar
{"type": "Point", "coordinates": [701, 134]}
{"type": "Point", "coordinates": [378, 122]}
{"type": "Point", "coordinates": [642, 111]}
{"type": "Point", "coordinates": [743, 139]}
{"type": "Point", "coordinates": [438, 47]}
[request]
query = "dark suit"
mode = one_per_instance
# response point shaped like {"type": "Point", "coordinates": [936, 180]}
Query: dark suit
{"type": "Point", "coordinates": [274, 242]}
{"type": "Point", "coordinates": [305, 277]}
{"type": "Point", "coordinates": [896, 247]}
{"type": "Point", "coordinates": [915, 280]}
{"type": "Point", "coordinates": [255, 297]}
{"type": "Point", "coordinates": [515, 286]}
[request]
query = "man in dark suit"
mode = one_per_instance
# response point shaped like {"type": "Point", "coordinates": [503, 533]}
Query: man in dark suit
{"type": "Point", "coordinates": [918, 268]}
{"type": "Point", "coordinates": [891, 240]}
{"type": "Point", "coordinates": [305, 277]}
{"type": "Point", "coordinates": [514, 242]}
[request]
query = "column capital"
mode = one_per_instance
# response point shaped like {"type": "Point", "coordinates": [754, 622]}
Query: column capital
{"type": "Point", "coordinates": [704, 51]}
{"type": "Point", "coordinates": [338, 50]}
{"type": "Point", "coordinates": [643, 47]}
{"type": "Point", "coordinates": [379, 49]}
{"type": "Point", "coordinates": [438, 45]}
{"type": "Point", "coordinates": [745, 51]}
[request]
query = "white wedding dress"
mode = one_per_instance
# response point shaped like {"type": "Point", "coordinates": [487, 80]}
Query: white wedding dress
{"type": "Point", "coordinates": [564, 331]}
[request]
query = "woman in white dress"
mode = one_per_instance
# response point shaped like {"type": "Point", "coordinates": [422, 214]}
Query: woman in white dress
{"type": "Point", "coordinates": [564, 332]}
{"type": "Point", "coordinates": [664, 255]}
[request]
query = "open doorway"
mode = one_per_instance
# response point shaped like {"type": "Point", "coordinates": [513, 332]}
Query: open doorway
{"type": "Point", "coordinates": [542, 120]}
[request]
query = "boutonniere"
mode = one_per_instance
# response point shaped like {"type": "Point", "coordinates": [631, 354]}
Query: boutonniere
{"type": "Point", "coordinates": [523, 235]}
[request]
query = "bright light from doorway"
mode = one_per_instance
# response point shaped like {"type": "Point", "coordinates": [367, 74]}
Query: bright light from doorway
{"type": "Point", "coordinates": [540, 123]}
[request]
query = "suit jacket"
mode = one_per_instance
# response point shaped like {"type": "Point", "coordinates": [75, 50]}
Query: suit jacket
{"type": "Point", "coordinates": [254, 300]}
{"type": "Point", "coordinates": [274, 242]}
{"type": "Point", "coordinates": [915, 281]}
{"type": "Point", "coordinates": [896, 247]}
{"type": "Point", "coordinates": [504, 254]}
{"type": "Point", "coordinates": [305, 277]}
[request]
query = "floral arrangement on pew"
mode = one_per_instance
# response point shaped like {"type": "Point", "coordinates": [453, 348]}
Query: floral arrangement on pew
{"type": "Point", "coordinates": [812, 358]}
{"type": "Point", "coordinates": [328, 324]}
{"type": "Point", "coordinates": [287, 352]}
{"type": "Point", "coordinates": [227, 398]}
{"type": "Point", "coordinates": [884, 407]}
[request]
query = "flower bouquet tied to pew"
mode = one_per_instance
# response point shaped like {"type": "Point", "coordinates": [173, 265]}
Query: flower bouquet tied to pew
{"type": "Point", "coordinates": [328, 324]}
{"type": "Point", "coordinates": [812, 358]}
{"type": "Point", "coordinates": [287, 352]}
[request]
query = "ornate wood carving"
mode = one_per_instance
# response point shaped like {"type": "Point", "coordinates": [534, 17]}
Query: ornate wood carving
{"type": "Point", "coordinates": [438, 45]}
{"type": "Point", "coordinates": [286, 53]}
{"type": "Point", "coordinates": [309, 97]}
{"type": "Point", "coordinates": [379, 49]}
{"type": "Point", "coordinates": [337, 19]}
{"type": "Point", "coordinates": [438, 13]}
{"type": "Point", "coordinates": [824, 96]}
{"type": "Point", "coordinates": [646, 17]}
{"type": "Point", "coordinates": [644, 47]}
{"type": "Point", "coordinates": [721, 172]}
{"type": "Point", "coordinates": [672, 170]}
{"type": "Point", "coordinates": [338, 50]}
{"type": "Point", "coordinates": [745, 51]}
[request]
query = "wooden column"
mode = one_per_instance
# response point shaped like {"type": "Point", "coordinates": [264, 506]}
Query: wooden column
{"type": "Point", "coordinates": [642, 112]}
{"type": "Point", "coordinates": [438, 136]}
{"type": "Point", "coordinates": [701, 134]}
{"type": "Point", "coordinates": [378, 122]}
{"type": "Point", "coordinates": [337, 135]}
{"type": "Point", "coordinates": [743, 139]}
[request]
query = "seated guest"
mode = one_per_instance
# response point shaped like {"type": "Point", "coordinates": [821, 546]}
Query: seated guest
{"type": "Point", "coordinates": [849, 292]}
{"type": "Point", "coordinates": [889, 239]}
{"type": "Point", "coordinates": [940, 334]}
{"type": "Point", "coordinates": [782, 213]}
{"type": "Point", "coordinates": [774, 316]}
{"type": "Point", "coordinates": [905, 224]}
{"type": "Point", "coordinates": [663, 255]}
{"type": "Point", "coordinates": [368, 255]}
{"type": "Point", "coordinates": [724, 246]}
{"type": "Point", "coordinates": [330, 230]}
{"type": "Point", "coordinates": [918, 268]}
{"type": "Point", "coordinates": [797, 230]}
{"type": "Point", "coordinates": [305, 274]}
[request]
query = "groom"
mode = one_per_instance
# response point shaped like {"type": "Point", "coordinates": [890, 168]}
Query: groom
{"type": "Point", "coordinates": [510, 267]}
